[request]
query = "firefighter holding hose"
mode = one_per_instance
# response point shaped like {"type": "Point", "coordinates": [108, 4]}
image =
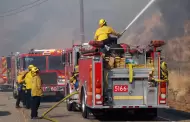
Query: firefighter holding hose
{"type": "Point", "coordinates": [104, 32]}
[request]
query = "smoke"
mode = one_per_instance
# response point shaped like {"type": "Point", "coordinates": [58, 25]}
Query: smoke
{"type": "Point", "coordinates": [56, 23]}
{"type": "Point", "coordinates": [163, 20]}
{"type": "Point", "coordinates": [175, 13]}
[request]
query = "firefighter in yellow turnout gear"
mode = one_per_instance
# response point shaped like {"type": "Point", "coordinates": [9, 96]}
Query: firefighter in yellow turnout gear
{"type": "Point", "coordinates": [21, 88]}
{"type": "Point", "coordinates": [36, 92]}
{"type": "Point", "coordinates": [164, 71]}
{"type": "Point", "coordinates": [74, 79]}
{"type": "Point", "coordinates": [28, 82]}
{"type": "Point", "coordinates": [104, 32]}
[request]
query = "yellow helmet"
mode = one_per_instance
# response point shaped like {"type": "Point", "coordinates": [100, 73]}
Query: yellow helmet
{"type": "Point", "coordinates": [164, 65]}
{"type": "Point", "coordinates": [30, 67]}
{"type": "Point", "coordinates": [34, 69]}
{"type": "Point", "coordinates": [102, 22]}
{"type": "Point", "coordinates": [76, 68]}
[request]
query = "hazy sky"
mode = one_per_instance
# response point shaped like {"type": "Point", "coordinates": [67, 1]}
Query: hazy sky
{"type": "Point", "coordinates": [55, 23]}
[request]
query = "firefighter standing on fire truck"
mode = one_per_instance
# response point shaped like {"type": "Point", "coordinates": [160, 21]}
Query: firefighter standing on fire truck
{"type": "Point", "coordinates": [28, 81]}
{"type": "Point", "coordinates": [20, 88]}
{"type": "Point", "coordinates": [103, 33]}
{"type": "Point", "coordinates": [36, 92]}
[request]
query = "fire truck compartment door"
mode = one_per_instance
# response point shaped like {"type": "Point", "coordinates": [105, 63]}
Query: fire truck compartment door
{"type": "Point", "coordinates": [126, 93]}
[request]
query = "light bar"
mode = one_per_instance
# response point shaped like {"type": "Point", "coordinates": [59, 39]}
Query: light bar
{"type": "Point", "coordinates": [85, 44]}
{"type": "Point", "coordinates": [46, 51]}
{"type": "Point", "coordinates": [43, 50]}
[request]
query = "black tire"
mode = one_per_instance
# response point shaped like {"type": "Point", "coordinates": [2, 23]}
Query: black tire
{"type": "Point", "coordinates": [85, 109]}
{"type": "Point", "coordinates": [69, 105]}
{"type": "Point", "coordinates": [14, 95]}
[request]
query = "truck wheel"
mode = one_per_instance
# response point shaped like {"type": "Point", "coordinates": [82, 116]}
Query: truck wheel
{"type": "Point", "coordinates": [85, 109]}
{"type": "Point", "coordinates": [14, 95]}
{"type": "Point", "coordinates": [69, 105]}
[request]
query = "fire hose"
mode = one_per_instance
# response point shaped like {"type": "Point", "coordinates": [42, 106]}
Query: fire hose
{"type": "Point", "coordinates": [54, 106]}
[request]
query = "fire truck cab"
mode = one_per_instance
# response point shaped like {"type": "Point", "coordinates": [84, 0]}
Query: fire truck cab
{"type": "Point", "coordinates": [51, 69]}
{"type": "Point", "coordinates": [130, 80]}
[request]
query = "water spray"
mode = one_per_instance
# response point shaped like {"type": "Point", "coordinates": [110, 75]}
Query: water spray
{"type": "Point", "coordinates": [139, 14]}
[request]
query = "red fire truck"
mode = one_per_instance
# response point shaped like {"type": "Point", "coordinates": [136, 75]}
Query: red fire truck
{"type": "Point", "coordinates": [51, 69]}
{"type": "Point", "coordinates": [138, 86]}
{"type": "Point", "coordinates": [70, 58]}
{"type": "Point", "coordinates": [5, 68]}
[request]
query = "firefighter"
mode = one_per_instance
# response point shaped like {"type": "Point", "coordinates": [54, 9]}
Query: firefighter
{"type": "Point", "coordinates": [104, 32]}
{"type": "Point", "coordinates": [164, 71]}
{"type": "Point", "coordinates": [36, 92]}
{"type": "Point", "coordinates": [20, 88]}
{"type": "Point", "coordinates": [28, 82]}
{"type": "Point", "coordinates": [74, 79]}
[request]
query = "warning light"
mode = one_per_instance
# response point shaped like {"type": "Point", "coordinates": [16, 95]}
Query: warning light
{"type": "Point", "coordinates": [47, 51]}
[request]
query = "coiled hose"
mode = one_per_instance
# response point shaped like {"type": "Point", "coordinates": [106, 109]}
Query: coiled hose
{"type": "Point", "coordinates": [50, 109]}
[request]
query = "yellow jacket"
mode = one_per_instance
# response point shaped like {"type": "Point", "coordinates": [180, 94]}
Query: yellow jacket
{"type": "Point", "coordinates": [103, 33]}
{"type": "Point", "coordinates": [36, 89]}
{"type": "Point", "coordinates": [28, 80]}
{"type": "Point", "coordinates": [20, 77]}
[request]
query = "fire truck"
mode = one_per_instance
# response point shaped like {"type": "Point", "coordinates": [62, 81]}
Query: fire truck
{"type": "Point", "coordinates": [134, 82]}
{"type": "Point", "coordinates": [51, 69]}
{"type": "Point", "coordinates": [5, 73]}
{"type": "Point", "coordinates": [70, 59]}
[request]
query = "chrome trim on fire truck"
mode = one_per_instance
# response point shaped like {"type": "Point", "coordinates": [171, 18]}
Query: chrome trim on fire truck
{"type": "Point", "coordinates": [93, 83]}
{"type": "Point", "coordinates": [145, 94]}
{"type": "Point", "coordinates": [84, 88]}
{"type": "Point", "coordinates": [102, 81]}
{"type": "Point", "coordinates": [127, 106]}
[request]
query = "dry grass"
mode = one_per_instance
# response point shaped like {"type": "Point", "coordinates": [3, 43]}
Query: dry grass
{"type": "Point", "coordinates": [179, 90]}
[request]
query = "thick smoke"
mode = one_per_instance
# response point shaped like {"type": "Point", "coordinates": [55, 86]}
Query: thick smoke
{"type": "Point", "coordinates": [164, 20]}
{"type": "Point", "coordinates": [55, 24]}
{"type": "Point", "coordinates": [175, 13]}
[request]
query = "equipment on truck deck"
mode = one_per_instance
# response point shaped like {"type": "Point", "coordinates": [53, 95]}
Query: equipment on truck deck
{"type": "Point", "coordinates": [51, 69]}
{"type": "Point", "coordinates": [119, 80]}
